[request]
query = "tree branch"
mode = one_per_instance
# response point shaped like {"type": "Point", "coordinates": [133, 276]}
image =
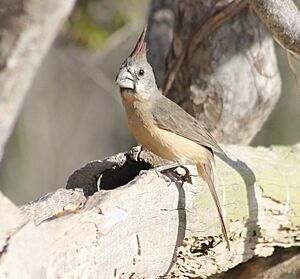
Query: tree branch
{"type": "Point", "coordinates": [220, 13]}
{"type": "Point", "coordinates": [27, 28]}
{"type": "Point", "coordinates": [282, 18]}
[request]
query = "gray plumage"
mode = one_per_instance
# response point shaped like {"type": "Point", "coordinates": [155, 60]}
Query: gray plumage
{"type": "Point", "coordinates": [183, 124]}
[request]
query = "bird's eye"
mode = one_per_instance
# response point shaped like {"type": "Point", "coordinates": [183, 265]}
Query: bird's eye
{"type": "Point", "coordinates": [141, 72]}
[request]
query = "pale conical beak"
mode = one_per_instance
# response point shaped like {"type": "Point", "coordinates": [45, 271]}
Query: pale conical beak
{"type": "Point", "coordinates": [125, 79]}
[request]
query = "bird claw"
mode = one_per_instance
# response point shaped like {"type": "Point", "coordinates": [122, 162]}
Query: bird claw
{"type": "Point", "coordinates": [186, 177]}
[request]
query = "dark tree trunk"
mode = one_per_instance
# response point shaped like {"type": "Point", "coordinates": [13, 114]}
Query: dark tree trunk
{"type": "Point", "coordinates": [230, 81]}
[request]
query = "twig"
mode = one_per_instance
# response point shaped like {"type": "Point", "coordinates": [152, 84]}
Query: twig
{"type": "Point", "coordinates": [220, 13]}
{"type": "Point", "coordinates": [292, 68]}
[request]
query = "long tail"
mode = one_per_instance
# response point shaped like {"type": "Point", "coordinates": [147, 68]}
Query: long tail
{"type": "Point", "coordinates": [206, 172]}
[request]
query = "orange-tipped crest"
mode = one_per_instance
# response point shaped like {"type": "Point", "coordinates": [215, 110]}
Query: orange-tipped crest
{"type": "Point", "coordinates": [140, 47]}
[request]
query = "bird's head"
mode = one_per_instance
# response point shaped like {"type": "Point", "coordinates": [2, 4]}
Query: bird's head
{"type": "Point", "coordinates": [136, 77]}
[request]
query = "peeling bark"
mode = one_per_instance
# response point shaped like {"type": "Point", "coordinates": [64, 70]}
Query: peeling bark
{"type": "Point", "coordinates": [150, 224]}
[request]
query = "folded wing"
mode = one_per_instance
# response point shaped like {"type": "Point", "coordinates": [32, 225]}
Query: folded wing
{"type": "Point", "coordinates": [171, 117]}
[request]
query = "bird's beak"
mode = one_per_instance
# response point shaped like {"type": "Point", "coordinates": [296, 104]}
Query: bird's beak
{"type": "Point", "coordinates": [125, 79]}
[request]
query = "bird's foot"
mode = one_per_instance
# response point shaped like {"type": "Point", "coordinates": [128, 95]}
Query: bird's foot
{"type": "Point", "coordinates": [167, 167]}
{"type": "Point", "coordinates": [185, 175]}
{"type": "Point", "coordinates": [135, 153]}
{"type": "Point", "coordinates": [175, 168]}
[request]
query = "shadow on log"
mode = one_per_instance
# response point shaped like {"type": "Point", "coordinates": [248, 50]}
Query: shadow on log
{"type": "Point", "coordinates": [151, 224]}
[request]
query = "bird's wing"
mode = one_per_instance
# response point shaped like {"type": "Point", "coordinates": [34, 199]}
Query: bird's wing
{"type": "Point", "coordinates": [171, 117]}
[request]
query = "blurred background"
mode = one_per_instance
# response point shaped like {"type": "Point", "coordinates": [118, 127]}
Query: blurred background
{"type": "Point", "coordinates": [73, 112]}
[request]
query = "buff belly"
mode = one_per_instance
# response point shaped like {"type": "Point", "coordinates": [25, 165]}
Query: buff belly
{"type": "Point", "coordinates": [163, 143]}
{"type": "Point", "coordinates": [168, 145]}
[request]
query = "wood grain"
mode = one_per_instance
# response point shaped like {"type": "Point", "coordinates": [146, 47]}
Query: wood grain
{"type": "Point", "coordinates": [148, 221]}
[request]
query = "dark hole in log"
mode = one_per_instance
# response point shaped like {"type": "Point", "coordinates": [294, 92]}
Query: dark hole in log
{"type": "Point", "coordinates": [121, 175]}
{"type": "Point", "coordinates": [110, 173]}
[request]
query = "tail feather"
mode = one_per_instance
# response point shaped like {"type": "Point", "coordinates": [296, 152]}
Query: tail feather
{"type": "Point", "coordinates": [205, 171]}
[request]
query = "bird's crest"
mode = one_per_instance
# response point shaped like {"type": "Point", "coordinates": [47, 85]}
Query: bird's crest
{"type": "Point", "coordinates": [140, 47]}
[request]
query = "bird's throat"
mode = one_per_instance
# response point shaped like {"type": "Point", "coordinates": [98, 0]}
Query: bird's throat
{"type": "Point", "coordinates": [128, 95]}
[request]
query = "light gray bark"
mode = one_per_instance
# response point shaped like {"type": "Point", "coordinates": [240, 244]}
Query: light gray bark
{"type": "Point", "coordinates": [282, 18]}
{"type": "Point", "coordinates": [139, 229]}
{"type": "Point", "coordinates": [27, 29]}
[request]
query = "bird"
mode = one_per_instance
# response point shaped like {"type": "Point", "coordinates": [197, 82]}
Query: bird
{"type": "Point", "coordinates": [162, 126]}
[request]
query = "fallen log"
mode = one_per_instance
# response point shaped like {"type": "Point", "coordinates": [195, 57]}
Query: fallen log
{"type": "Point", "coordinates": [120, 219]}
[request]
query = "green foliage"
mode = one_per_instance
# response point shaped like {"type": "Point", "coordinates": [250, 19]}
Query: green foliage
{"type": "Point", "coordinates": [86, 31]}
